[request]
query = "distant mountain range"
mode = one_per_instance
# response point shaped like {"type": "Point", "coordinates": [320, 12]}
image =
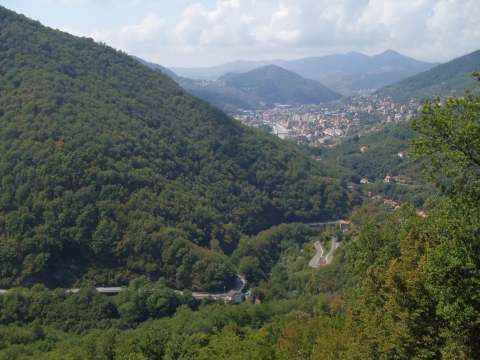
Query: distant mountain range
{"type": "Point", "coordinates": [266, 85]}
{"type": "Point", "coordinates": [259, 88]}
{"type": "Point", "coordinates": [449, 79]}
{"type": "Point", "coordinates": [349, 74]}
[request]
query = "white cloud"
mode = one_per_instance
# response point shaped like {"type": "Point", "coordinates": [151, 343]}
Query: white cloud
{"type": "Point", "coordinates": [228, 29]}
{"type": "Point", "coordinates": [282, 27]}
{"type": "Point", "coordinates": [227, 24]}
{"type": "Point", "coordinates": [431, 29]}
{"type": "Point", "coordinates": [65, 2]}
{"type": "Point", "coordinates": [149, 32]}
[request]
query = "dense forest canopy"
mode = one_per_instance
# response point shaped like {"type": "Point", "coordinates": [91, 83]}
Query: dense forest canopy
{"type": "Point", "coordinates": [401, 287]}
{"type": "Point", "coordinates": [373, 155]}
{"type": "Point", "coordinates": [110, 170]}
{"type": "Point", "coordinates": [376, 155]}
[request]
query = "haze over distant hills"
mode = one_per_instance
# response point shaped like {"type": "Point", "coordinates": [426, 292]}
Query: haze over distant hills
{"type": "Point", "coordinates": [348, 74]}
{"type": "Point", "coordinates": [259, 88]}
{"type": "Point", "coordinates": [162, 69]}
{"type": "Point", "coordinates": [449, 79]}
{"type": "Point", "coordinates": [270, 84]}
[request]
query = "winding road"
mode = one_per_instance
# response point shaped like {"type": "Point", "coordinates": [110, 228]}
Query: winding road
{"type": "Point", "coordinates": [319, 260]}
{"type": "Point", "coordinates": [316, 260]}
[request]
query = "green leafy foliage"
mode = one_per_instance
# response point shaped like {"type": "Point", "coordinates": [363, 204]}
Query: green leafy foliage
{"type": "Point", "coordinates": [257, 255]}
{"type": "Point", "coordinates": [449, 136]}
{"type": "Point", "coordinates": [380, 157]}
{"type": "Point", "coordinates": [375, 155]}
{"type": "Point", "coordinates": [423, 302]}
{"type": "Point", "coordinates": [88, 309]}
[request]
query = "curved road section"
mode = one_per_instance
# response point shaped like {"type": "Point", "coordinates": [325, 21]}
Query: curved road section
{"type": "Point", "coordinates": [319, 260]}
{"type": "Point", "coordinates": [316, 260]}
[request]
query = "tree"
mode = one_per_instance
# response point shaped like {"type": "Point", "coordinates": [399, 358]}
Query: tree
{"type": "Point", "coordinates": [250, 267]}
{"type": "Point", "coordinates": [449, 138]}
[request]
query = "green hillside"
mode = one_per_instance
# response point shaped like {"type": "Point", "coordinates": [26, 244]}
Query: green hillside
{"type": "Point", "coordinates": [110, 170]}
{"type": "Point", "coordinates": [272, 84]}
{"type": "Point", "coordinates": [380, 153]}
{"type": "Point", "coordinates": [220, 95]}
{"type": "Point", "coordinates": [387, 151]}
{"type": "Point", "coordinates": [449, 79]}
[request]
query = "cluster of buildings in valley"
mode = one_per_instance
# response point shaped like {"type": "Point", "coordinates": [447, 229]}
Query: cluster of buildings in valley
{"type": "Point", "coordinates": [324, 123]}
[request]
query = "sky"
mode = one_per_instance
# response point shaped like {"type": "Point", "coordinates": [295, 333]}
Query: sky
{"type": "Point", "coordinates": [195, 33]}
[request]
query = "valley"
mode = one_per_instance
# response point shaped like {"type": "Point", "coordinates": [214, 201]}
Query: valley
{"type": "Point", "coordinates": [319, 207]}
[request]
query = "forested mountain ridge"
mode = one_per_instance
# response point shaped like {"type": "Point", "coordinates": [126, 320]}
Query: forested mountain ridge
{"type": "Point", "coordinates": [110, 170]}
{"type": "Point", "coordinates": [449, 79]}
{"type": "Point", "coordinates": [273, 84]}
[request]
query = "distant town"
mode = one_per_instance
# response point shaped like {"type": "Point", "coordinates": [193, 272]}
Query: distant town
{"type": "Point", "coordinates": [325, 124]}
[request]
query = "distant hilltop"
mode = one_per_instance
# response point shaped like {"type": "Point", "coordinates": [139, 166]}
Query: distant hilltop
{"type": "Point", "coordinates": [449, 79]}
